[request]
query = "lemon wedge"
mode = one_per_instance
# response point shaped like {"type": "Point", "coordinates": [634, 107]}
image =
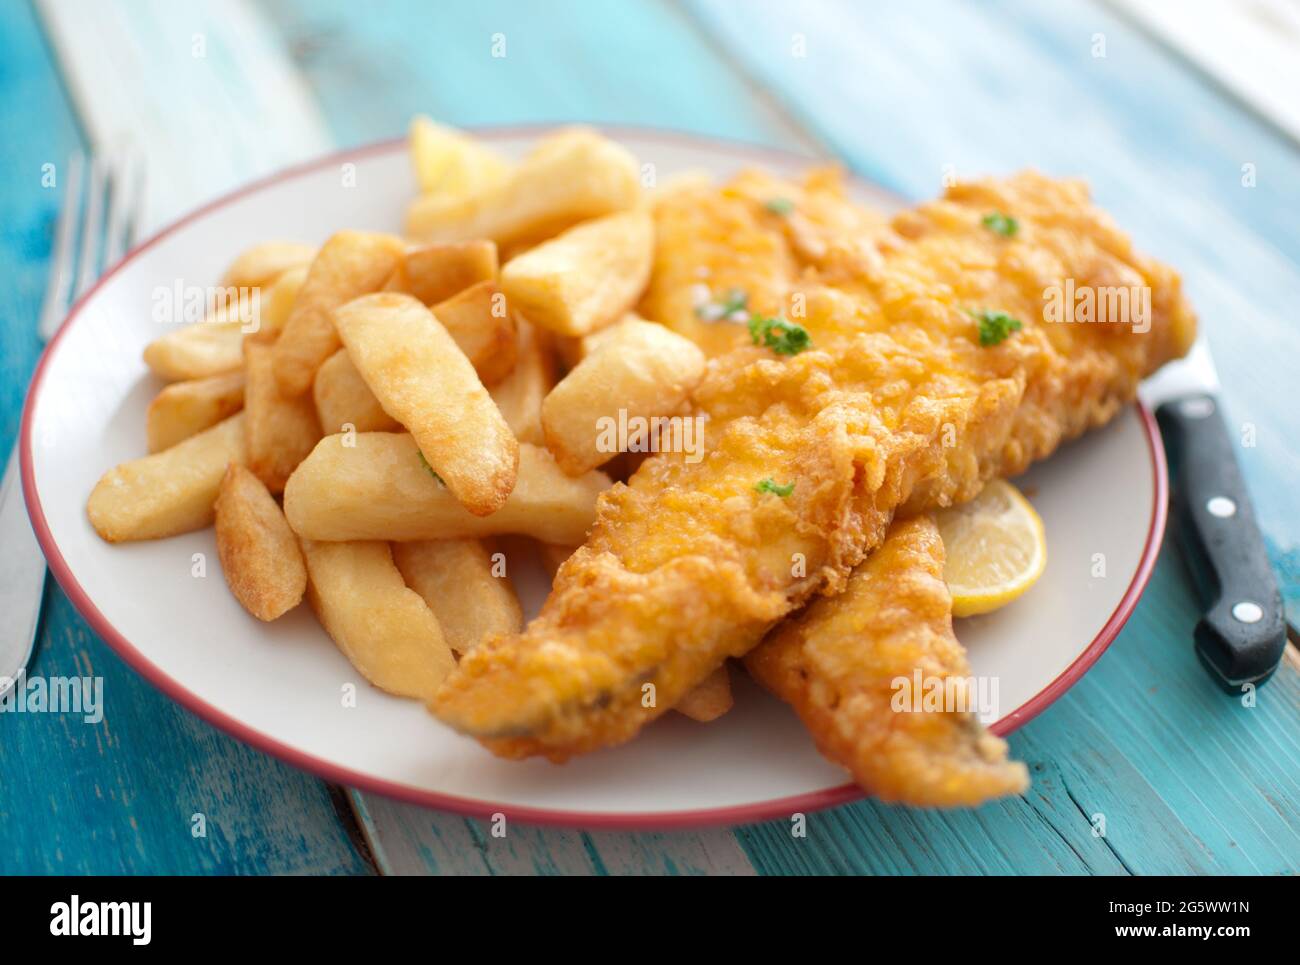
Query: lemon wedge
{"type": "Point", "coordinates": [996, 549]}
{"type": "Point", "coordinates": [450, 163]}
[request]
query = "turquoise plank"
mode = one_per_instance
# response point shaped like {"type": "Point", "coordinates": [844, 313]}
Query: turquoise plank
{"type": "Point", "coordinates": [636, 62]}
{"type": "Point", "coordinates": [118, 796]}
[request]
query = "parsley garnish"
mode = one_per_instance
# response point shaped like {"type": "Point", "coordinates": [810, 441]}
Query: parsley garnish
{"type": "Point", "coordinates": [779, 206]}
{"type": "Point", "coordinates": [733, 302]}
{"type": "Point", "coordinates": [781, 336]}
{"type": "Point", "coordinates": [769, 486]}
{"type": "Point", "coordinates": [425, 463]}
{"type": "Point", "coordinates": [1002, 224]}
{"type": "Point", "coordinates": [995, 327]}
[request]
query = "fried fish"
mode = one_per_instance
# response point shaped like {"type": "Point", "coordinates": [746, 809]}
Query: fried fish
{"type": "Point", "coordinates": [846, 664]}
{"type": "Point", "coordinates": [926, 368]}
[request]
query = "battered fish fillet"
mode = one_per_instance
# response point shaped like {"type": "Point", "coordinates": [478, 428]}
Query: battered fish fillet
{"type": "Point", "coordinates": [759, 235]}
{"type": "Point", "coordinates": [837, 663]}
{"type": "Point", "coordinates": [896, 406]}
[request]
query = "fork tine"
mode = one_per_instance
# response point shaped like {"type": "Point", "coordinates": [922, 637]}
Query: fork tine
{"type": "Point", "coordinates": [58, 290]}
{"type": "Point", "coordinates": [126, 196]}
{"type": "Point", "coordinates": [92, 227]}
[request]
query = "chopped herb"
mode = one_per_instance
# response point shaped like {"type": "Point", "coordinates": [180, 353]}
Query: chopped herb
{"type": "Point", "coordinates": [779, 206]}
{"type": "Point", "coordinates": [1002, 224]}
{"type": "Point", "coordinates": [781, 336]}
{"type": "Point", "coordinates": [995, 327]}
{"type": "Point", "coordinates": [425, 463]}
{"type": "Point", "coordinates": [768, 486]}
{"type": "Point", "coordinates": [733, 303]}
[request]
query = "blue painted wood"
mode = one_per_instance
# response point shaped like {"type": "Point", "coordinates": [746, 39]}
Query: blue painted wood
{"type": "Point", "coordinates": [634, 62]}
{"type": "Point", "coordinates": [1185, 779]}
{"type": "Point", "coordinates": [118, 796]}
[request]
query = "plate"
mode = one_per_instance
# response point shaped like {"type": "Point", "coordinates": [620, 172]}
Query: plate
{"type": "Point", "coordinates": [164, 608]}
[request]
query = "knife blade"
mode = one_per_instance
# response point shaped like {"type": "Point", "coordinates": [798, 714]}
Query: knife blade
{"type": "Point", "coordinates": [22, 579]}
{"type": "Point", "coordinates": [1241, 635]}
{"type": "Point", "coordinates": [22, 576]}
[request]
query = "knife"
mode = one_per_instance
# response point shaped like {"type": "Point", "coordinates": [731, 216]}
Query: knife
{"type": "Point", "coordinates": [22, 578]}
{"type": "Point", "coordinates": [1241, 635]}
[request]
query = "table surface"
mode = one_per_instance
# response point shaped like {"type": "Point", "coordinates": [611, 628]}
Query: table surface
{"type": "Point", "coordinates": [1185, 778]}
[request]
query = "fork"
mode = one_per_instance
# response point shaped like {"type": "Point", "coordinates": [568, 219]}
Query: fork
{"type": "Point", "coordinates": [84, 246]}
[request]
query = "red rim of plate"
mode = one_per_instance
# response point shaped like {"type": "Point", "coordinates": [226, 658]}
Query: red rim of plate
{"type": "Point", "coordinates": [668, 820]}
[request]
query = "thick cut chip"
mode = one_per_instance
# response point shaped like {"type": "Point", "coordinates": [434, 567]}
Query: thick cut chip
{"type": "Point", "coordinates": [169, 492]}
{"type": "Point", "coordinates": [259, 554]}
{"type": "Point", "coordinates": [349, 264]}
{"type": "Point", "coordinates": [425, 382]}
{"type": "Point", "coordinates": [380, 488]}
{"type": "Point", "coordinates": [465, 584]}
{"type": "Point", "coordinates": [381, 625]}
{"type": "Point", "coordinates": [585, 278]}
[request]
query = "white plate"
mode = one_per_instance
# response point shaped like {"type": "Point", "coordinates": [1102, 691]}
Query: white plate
{"type": "Point", "coordinates": [278, 687]}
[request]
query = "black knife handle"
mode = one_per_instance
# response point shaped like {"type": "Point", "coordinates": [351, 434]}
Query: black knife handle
{"type": "Point", "coordinates": [1242, 634]}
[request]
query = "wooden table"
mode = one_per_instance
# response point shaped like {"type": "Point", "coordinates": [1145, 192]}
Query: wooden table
{"type": "Point", "coordinates": [1188, 780]}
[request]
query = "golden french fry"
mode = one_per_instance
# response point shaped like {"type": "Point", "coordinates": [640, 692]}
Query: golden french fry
{"type": "Point", "coordinates": [572, 349]}
{"type": "Point", "coordinates": [570, 177]}
{"type": "Point", "coordinates": [585, 278]}
{"type": "Point", "coordinates": [262, 264]}
{"type": "Point", "coordinates": [259, 553]}
{"type": "Point", "coordinates": [519, 395]}
{"type": "Point", "coordinates": [485, 331]}
{"type": "Point", "coordinates": [465, 585]}
{"type": "Point", "coordinates": [435, 272]}
{"type": "Point", "coordinates": [349, 264]}
{"type": "Point", "coordinates": [277, 303]}
{"type": "Point", "coordinates": [197, 351]}
{"type": "Point", "coordinates": [424, 381]}
{"type": "Point", "coordinates": [343, 399]}
{"type": "Point", "coordinates": [638, 372]}
{"type": "Point", "coordinates": [382, 626]}
{"type": "Point", "coordinates": [184, 408]}
{"type": "Point", "coordinates": [169, 492]}
{"type": "Point", "coordinates": [280, 430]}
{"type": "Point", "coordinates": [449, 162]}
{"type": "Point", "coordinates": [710, 699]}
{"type": "Point", "coordinates": [378, 488]}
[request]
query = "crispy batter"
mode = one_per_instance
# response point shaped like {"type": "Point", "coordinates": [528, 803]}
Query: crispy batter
{"type": "Point", "coordinates": [758, 234]}
{"type": "Point", "coordinates": [897, 405]}
{"type": "Point", "coordinates": [838, 663]}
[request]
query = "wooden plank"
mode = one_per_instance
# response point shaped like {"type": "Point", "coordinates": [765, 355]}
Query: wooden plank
{"type": "Point", "coordinates": [1252, 49]}
{"type": "Point", "coordinates": [410, 840]}
{"type": "Point", "coordinates": [203, 91]}
{"type": "Point", "coordinates": [638, 62]}
{"type": "Point", "coordinates": [116, 797]}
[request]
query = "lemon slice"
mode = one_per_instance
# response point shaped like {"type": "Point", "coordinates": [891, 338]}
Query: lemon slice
{"type": "Point", "coordinates": [450, 163]}
{"type": "Point", "coordinates": [995, 546]}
